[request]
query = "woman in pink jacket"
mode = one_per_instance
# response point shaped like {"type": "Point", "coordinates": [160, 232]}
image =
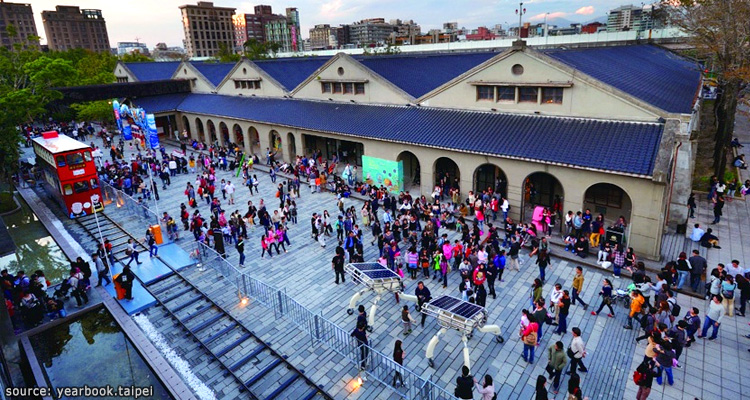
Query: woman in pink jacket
{"type": "Point", "coordinates": [264, 246]}
{"type": "Point", "coordinates": [486, 389]}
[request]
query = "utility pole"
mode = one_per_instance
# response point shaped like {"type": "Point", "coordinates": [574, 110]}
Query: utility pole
{"type": "Point", "coordinates": [520, 11]}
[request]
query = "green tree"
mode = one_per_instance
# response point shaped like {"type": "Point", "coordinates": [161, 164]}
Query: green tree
{"type": "Point", "coordinates": [255, 50]}
{"type": "Point", "coordinates": [99, 111]}
{"type": "Point", "coordinates": [226, 54]}
{"type": "Point", "coordinates": [720, 32]}
{"type": "Point", "coordinates": [136, 56]}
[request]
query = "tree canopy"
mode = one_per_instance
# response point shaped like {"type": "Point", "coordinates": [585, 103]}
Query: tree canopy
{"type": "Point", "coordinates": [27, 81]}
{"type": "Point", "coordinates": [720, 32]}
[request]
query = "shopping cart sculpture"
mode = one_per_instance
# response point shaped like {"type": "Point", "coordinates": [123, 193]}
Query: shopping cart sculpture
{"type": "Point", "coordinates": [374, 277]}
{"type": "Point", "coordinates": [452, 313]}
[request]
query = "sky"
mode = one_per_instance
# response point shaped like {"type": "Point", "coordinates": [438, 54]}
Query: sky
{"type": "Point", "coordinates": [154, 21]}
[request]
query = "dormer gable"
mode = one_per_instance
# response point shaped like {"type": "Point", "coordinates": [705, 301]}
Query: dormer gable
{"type": "Point", "coordinates": [247, 79]}
{"type": "Point", "coordinates": [343, 78]}
{"type": "Point", "coordinates": [198, 82]}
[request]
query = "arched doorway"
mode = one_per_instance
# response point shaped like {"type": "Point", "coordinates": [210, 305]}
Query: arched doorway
{"type": "Point", "coordinates": [275, 140]}
{"type": "Point", "coordinates": [185, 125]}
{"type": "Point", "coordinates": [292, 146]}
{"type": "Point", "coordinates": [211, 131]}
{"type": "Point", "coordinates": [224, 133]}
{"type": "Point", "coordinates": [201, 132]}
{"type": "Point", "coordinates": [254, 139]}
{"type": "Point", "coordinates": [237, 136]}
{"type": "Point", "coordinates": [446, 172]}
{"type": "Point", "coordinates": [540, 189]}
{"type": "Point", "coordinates": [490, 176]}
{"type": "Point", "coordinates": [412, 170]}
{"type": "Point", "coordinates": [610, 200]}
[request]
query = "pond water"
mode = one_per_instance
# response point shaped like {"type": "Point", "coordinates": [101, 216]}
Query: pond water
{"type": "Point", "coordinates": [92, 350]}
{"type": "Point", "coordinates": [36, 249]}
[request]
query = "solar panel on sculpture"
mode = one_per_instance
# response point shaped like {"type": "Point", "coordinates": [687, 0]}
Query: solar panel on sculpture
{"type": "Point", "coordinates": [380, 274]}
{"type": "Point", "coordinates": [368, 266]}
{"type": "Point", "coordinates": [467, 310]}
{"type": "Point", "coordinates": [445, 302]}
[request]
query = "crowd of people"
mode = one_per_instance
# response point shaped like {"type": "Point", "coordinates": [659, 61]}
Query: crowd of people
{"type": "Point", "coordinates": [412, 237]}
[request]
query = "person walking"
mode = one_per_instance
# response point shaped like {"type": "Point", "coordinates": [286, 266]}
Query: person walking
{"type": "Point", "coordinates": [79, 287]}
{"type": "Point", "coordinates": [406, 320]}
{"type": "Point", "coordinates": [125, 279]}
{"type": "Point", "coordinates": [464, 384]}
{"type": "Point", "coordinates": [554, 301]}
{"type": "Point", "coordinates": [485, 388]}
{"type": "Point", "coordinates": [744, 286]}
{"type": "Point", "coordinates": [578, 287]}
{"type": "Point", "coordinates": [564, 307]}
{"type": "Point", "coordinates": [665, 357]}
{"type": "Point", "coordinates": [636, 305]}
{"type": "Point", "coordinates": [101, 269]}
{"type": "Point", "coordinates": [398, 357]}
{"type": "Point", "coordinates": [490, 271]}
{"type": "Point", "coordinates": [647, 371]}
{"type": "Point", "coordinates": [240, 246]}
{"type": "Point", "coordinates": [515, 248]}
{"type": "Point", "coordinates": [132, 252]}
{"type": "Point", "coordinates": [423, 296]}
{"type": "Point", "coordinates": [556, 364]}
{"type": "Point", "coordinates": [576, 352]}
{"type": "Point", "coordinates": [529, 337]}
{"type": "Point", "coordinates": [606, 294]}
{"type": "Point", "coordinates": [728, 289]}
{"type": "Point", "coordinates": [360, 334]}
{"type": "Point", "coordinates": [337, 264]}
{"type": "Point", "coordinates": [540, 316]}
{"type": "Point", "coordinates": [714, 314]}
{"type": "Point", "coordinates": [542, 261]}
{"type": "Point", "coordinates": [699, 266]}
{"type": "Point", "coordinates": [683, 270]}
{"type": "Point", "coordinates": [540, 390]}
{"type": "Point", "coordinates": [574, 387]}
{"type": "Point", "coordinates": [693, 324]}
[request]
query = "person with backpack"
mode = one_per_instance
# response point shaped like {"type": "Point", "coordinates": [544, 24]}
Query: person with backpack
{"type": "Point", "coordinates": [556, 364]}
{"type": "Point", "coordinates": [728, 288]}
{"type": "Point", "coordinates": [678, 337]}
{"type": "Point", "coordinates": [665, 357]}
{"type": "Point", "coordinates": [576, 352]}
{"type": "Point", "coordinates": [693, 324]}
{"type": "Point", "coordinates": [125, 279]}
{"type": "Point", "coordinates": [606, 294]}
{"type": "Point", "coordinates": [643, 377]}
{"type": "Point", "coordinates": [78, 285]}
{"type": "Point", "coordinates": [636, 305]}
{"type": "Point", "coordinates": [529, 337]}
{"type": "Point", "coordinates": [648, 323]}
{"type": "Point", "coordinates": [486, 388]}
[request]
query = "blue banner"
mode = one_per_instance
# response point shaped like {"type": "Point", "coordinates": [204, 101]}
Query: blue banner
{"type": "Point", "coordinates": [127, 133]}
{"type": "Point", "coordinates": [152, 133]}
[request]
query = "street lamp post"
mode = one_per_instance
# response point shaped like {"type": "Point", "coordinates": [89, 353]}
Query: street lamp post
{"type": "Point", "coordinates": [520, 11]}
{"type": "Point", "coordinates": [101, 241]}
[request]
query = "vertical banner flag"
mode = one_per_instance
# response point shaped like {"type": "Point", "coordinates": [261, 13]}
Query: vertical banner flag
{"type": "Point", "coordinates": [116, 109]}
{"type": "Point", "coordinates": [152, 132]}
{"type": "Point", "coordinates": [127, 132]}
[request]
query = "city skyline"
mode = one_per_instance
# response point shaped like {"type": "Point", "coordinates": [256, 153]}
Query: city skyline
{"type": "Point", "coordinates": [161, 22]}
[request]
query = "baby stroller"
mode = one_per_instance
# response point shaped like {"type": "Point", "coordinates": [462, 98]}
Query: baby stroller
{"type": "Point", "coordinates": [62, 291]}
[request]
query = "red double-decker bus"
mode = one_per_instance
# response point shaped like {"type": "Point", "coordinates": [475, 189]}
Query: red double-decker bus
{"type": "Point", "coordinates": [70, 172]}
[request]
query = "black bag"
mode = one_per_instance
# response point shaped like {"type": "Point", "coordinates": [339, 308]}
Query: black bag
{"type": "Point", "coordinates": [676, 309]}
{"type": "Point", "coordinates": [570, 353]}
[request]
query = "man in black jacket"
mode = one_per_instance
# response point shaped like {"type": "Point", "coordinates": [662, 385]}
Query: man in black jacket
{"type": "Point", "coordinates": [464, 384]}
{"type": "Point", "coordinates": [423, 296]}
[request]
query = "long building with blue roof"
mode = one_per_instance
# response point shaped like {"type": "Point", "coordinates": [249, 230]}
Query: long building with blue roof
{"type": "Point", "coordinates": [603, 128]}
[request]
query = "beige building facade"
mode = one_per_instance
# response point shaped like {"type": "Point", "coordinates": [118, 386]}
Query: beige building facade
{"type": "Point", "coordinates": [650, 201]}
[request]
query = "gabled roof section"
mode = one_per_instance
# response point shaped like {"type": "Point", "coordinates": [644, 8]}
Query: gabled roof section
{"type": "Point", "coordinates": [290, 72]}
{"type": "Point", "coordinates": [647, 72]}
{"type": "Point", "coordinates": [152, 71]}
{"type": "Point", "coordinates": [245, 63]}
{"type": "Point", "coordinates": [576, 142]}
{"type": "Point", "coordinates": [214, 72]}
{"type": "Point", "coordinates": [419, 74]}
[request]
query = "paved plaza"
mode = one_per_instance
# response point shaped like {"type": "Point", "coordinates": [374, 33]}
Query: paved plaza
{"type": "Point", "coordinates": [710, 370]}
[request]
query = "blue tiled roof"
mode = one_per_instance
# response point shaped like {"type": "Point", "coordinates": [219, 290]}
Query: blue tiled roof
{"type": "Point", "coordinates": [165, 102]}
{"type": "Point", "coordinates": [627, 147]}
{"type": "Point", "coordinates": [420, 74]}
{"type": "Point", "coordinates": [290, 72]}
{"type": "Point", "coordinates": [152, 71]}
{"type": "Point", "coordinates": [650, 73]}
{"type": "Point", "coordinates": [214, 72]}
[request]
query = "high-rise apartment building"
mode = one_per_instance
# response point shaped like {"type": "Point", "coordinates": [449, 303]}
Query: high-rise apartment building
{"type": "Point", "coordinates": [21, 18]}
{"type": "Point", "coordinates": [295, 32]}
{"type": "Point", "coordinates": [406, 28]}
{"type": "Point", "coordinates": [69, 27]}
{"type": "Point", "coordinates": [207, 28]}
{"type": "Point", "coordinates": [265, 26]}
{"type": "Point", "coordinates": [370, 31]}
{"type": "Point", "coordinates": [634, 18]}
{"type": "Point", "coordinates": [322, 37]}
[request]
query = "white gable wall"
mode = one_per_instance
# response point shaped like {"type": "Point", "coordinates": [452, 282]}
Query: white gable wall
{"type": "Point", "coordinates": [248, 70]}
{"type": "Point", "coordinates": [582, 99]}
{"type": "Point", "coordinates": [376, 89]}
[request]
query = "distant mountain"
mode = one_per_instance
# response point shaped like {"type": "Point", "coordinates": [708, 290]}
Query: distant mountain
{"type": "Point", "coordinates": [602, 19]}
